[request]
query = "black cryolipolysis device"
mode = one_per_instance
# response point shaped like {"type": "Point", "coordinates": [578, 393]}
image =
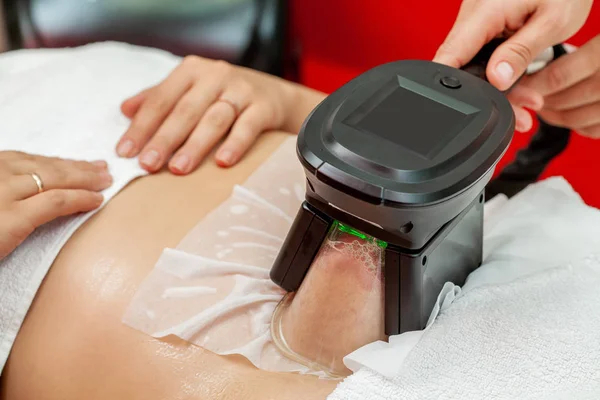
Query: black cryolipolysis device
{"type": "Point", "coordinates": [403, 153]}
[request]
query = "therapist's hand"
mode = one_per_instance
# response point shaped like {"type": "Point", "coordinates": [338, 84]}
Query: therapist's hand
{"type": "Point", "coordinates": [533, 25]}
{"type": "Point", "coordinates": [571, 90]}
{"type": "Point", "coordinates": [179, 121]}
{"type": "Point", "coordinates": [69, 187]}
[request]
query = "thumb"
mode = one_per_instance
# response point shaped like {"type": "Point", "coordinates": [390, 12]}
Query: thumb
{"type": "Point", "coordinates": [473, 28]}
{"type": "Point", "coordinates": [511, 58]}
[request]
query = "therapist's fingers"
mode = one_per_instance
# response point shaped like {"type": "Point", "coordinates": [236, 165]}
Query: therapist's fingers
{"type": "Point", "coordinates": [47, 206]}
{"type": "Point", "coordinates": [21, 218]}
{"type": "Point", "coordinates": [511, 58]}
{"type": "Point", "coordinates": [36, 189]}
{"type": "Point", "coordinates": [523, 119]}
{"type": "Point", "coordinates": [578, 95]}
{"type": "Point", "coordinates": [215, 124]}
{"type": "Point", "coordinates": [580, 118]}
{"type": "Point", "coordinates": [57, 174]}
{"type": "Point", "coordinates": [522, 96]}
{"type": "Point", "coordinates": [591, 132]}
{"type": "Point", "coordinates": [537, 24]}
{"type": "Point", "coordinates": [185, 116]}
{"type": "Point", "coordinates": [255, 119]}
{"type": "Point", "coordinates": [151, 114]}
{"type": "Point", "coordinates": [131, 106]}
{"type": "Point", "coordinates": [476, 24]}
{"type": "Point", "coordinates": [567, 70]}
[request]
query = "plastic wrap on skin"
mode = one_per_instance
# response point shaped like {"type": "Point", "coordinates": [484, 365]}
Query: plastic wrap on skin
{"type": "Point", "coordinates": [256, 218]}
{"type": "Point", "coordinates": [339, 306]}
{"type": "Point", "coordinates": [214, 289]}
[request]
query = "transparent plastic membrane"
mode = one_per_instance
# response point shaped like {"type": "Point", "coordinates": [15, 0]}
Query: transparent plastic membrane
{"type": "Point", "coordinates": [214, 289]}
{"type": "Point", "coordinates": [339, 306]}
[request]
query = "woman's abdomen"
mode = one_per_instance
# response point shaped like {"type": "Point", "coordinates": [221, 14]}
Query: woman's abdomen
{"type": "Point", "coordinates": [73, 345]}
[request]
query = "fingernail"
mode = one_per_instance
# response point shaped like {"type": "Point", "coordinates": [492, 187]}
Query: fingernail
{"type": "Point", "coordinates": [106, 178]}
{"type": "Point", "coordinates": [98, 197]}
{"type": "Point", "coordinates": [150, 159]}
{"type": "Point", "coordinates": [522, 125]}
{"type": "Point", "coordinates": [226, 157]}
{"type": "Point", "coordinates": [505, 72]}
{"type": "Point", "coordinates": [181, 163]}
{"type": "Point", "coordinates": [125, 148]}
{"type": "Point", "coordinates": [100, 163]}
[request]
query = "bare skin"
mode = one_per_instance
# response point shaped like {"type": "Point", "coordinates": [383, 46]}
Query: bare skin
{"type": "Point", "coordinates": [73, 345]}
{"type": "Point", "coordinates": [339, 306]}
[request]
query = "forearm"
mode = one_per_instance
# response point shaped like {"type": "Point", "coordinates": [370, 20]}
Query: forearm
{"type": "Point", "coordinates": [304, 101]}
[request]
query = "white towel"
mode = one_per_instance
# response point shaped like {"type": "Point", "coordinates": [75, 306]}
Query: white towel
{"type": "Point", "coordinates": [526, 324]}
{"type": "Point", "coordinates": [65, 103]}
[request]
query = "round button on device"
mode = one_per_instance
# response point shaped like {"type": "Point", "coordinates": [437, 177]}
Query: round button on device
{"type": "Point", "coordinates": [450, 82]}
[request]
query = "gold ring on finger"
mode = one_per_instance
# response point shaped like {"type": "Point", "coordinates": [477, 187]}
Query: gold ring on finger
{"type": "Point", "coordinates": [233, 105]}
{"type": "Point", "coordinates": [38, 182]}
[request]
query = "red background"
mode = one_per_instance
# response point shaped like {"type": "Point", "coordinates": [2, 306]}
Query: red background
{"type": "Point", "coordinates": [339, 39]}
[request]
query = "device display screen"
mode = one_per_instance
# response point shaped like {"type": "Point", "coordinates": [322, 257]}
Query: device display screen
{"type": "Point", "coordinates": [412, 120]}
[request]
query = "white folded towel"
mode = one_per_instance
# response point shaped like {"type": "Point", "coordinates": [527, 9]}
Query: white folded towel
{"type": "Point", "coordinates": [65, 103]}
{"type": "Point", "coordinates": [526, 324]}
